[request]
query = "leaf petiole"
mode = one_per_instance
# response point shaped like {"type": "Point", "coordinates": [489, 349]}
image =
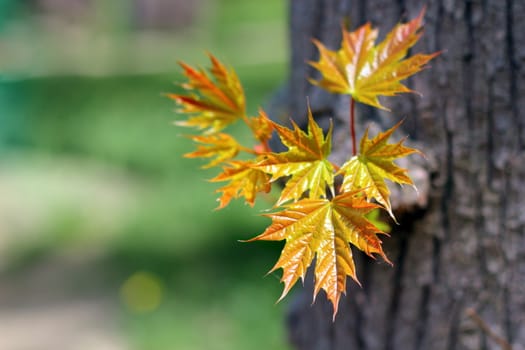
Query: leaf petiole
{"type": "Point", "coordinates": [352, 126]}
{"type": "Point", "coordinates": [248, 150]}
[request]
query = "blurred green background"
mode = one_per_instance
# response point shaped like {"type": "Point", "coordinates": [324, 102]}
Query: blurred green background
{"type": "Point", "coordinates": [108, 237]}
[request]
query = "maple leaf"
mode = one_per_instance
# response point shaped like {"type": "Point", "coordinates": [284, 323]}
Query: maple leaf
{"type": "Point", "coordinates": [221, 146]}
{"type": "Point", "coordinates": [323, 229]}
{"type": "Point", "coordinates": [245, 181]}
{"type": "Point", "coordinates": [374, 163]}
{"type": "Point", "coordinates": [365, 71]}
{"type": "Point", "coordinates": [214, 101]}
{"type": "Point", "coordinates": [306, 161]}
{"type": "Point", "coordinates": [262, 126]}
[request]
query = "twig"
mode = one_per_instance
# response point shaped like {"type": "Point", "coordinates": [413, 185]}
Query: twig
{"type": "Point", "coordinates": [471, 312]}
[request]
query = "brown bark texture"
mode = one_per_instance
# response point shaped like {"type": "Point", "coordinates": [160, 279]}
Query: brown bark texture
{"type": "Point", "coordinates": [458, 280]}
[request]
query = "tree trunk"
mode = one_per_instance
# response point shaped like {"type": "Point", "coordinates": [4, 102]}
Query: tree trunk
{"type": "Point", "coordinates": [458, 280]}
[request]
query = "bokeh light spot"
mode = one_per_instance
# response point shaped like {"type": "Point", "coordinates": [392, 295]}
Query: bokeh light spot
{"type": "Point", "coordinates": [142, 292]}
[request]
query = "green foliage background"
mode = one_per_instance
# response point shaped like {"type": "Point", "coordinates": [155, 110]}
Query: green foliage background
{"type": "Point", "coordinates": [95, 161]}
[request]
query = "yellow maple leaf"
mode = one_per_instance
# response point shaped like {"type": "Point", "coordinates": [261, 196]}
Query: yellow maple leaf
{"type": "Point", "coordinates": [222, 147]}
{"type": "Point", "coordinates": [365, 71]}
{"type": "Point", "coordinates": [306, 161]}
{"type": "Point", "coordinates": [323, 229]}
{"type": "Point", "coordinates": [244, 180]}
{"type": "Point", "coordinates": [373, 164]}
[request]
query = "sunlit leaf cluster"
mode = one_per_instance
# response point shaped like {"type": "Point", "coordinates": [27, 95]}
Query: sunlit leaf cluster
{"type": "Point", "coordinates": [322, 208]}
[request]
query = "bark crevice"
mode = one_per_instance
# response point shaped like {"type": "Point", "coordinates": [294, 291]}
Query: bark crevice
{"type": "Point", "coordinates": [397, 291]}
{"type": "Point", "coordinates": [453, 330]}
{"type": "Point", "coordinates": [513, 72]}
{"type": "Point", "coordinates": [423, 314]}
{"type": "Point", "coordinates": [468, 74]}
{"type": "Point", "coordinates": [490, 132]}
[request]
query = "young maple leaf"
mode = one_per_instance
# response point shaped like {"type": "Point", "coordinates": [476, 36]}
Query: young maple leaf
{"type": "Point", "coordinates": [374, 163]}
{"type": "Point", "coordinates": [365, 71]}
{"type": "Point", "coordinates": [221, 146]}
{"type": "Point", "coordinates": [245, 180]}
{"type": "Point", "coordinates": [306, 161]}
{"type": "Point", "coordinates": [261, 126]}
{"type": "Point", "coordinates": [214, 101]}
{"type": "Point", "coordinates": [323, 228]}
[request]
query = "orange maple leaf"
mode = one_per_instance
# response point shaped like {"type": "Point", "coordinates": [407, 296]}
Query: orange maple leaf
{"type": "Point", "coordinates": [213, 101]}
{"type": "Point", "coordinates": [365, 71]}
{"type": "Point", "coordinates": [261, 126]}
{"type": "Point", "coordinates": [306, 161]}
{"type": "Point", "coordinates": [323, 229]}
{"type": "Point", "coordinates": [245, 180]}
{"type": "Point", "coordinates": [374, 163]}
{"type": "Point", "coordinates": [222, 147]}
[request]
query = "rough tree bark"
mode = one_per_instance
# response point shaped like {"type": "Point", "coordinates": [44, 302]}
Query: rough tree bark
{"type": "Point", "coordinates": [459, 276]}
